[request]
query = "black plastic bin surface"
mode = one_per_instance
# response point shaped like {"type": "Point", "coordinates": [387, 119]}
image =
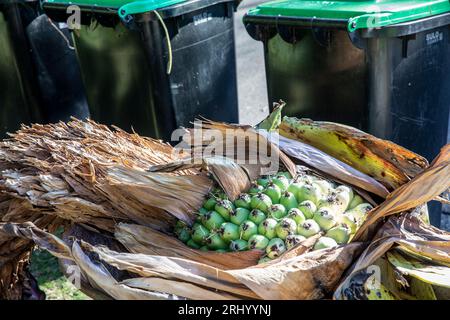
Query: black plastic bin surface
{"type": "Point", "coordinates": [19, 101]}
{"type": "Point", "coordinates": [40, 79]}
{"type": "Point", "coordinates": [124, 67]}
{"type": "Point", "coordinates": [393, 82]}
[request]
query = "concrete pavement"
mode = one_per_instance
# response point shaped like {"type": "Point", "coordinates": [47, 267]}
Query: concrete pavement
{"type": "Point", "coordinates": [252, 88]}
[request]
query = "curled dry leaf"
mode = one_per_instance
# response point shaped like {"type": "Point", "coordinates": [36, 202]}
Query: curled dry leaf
{"type": "Point", "coordinates": [423, 188]}
{"type": "Point", "coordinates": [230, 176]}
{"type": "Point", "coordinates": [412, 236]}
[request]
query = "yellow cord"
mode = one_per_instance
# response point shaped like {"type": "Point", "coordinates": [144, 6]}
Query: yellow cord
{"type": "Point", "coordinates": [169, 45]}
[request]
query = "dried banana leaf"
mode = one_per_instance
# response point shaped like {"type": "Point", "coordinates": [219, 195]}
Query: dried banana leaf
{"type": "Point", "coordinates": [179, 195]}
{"type": "Point", "coordinates": [421, 189]}
{"type": "Point", "coordinates": [313, 275]}
{"type": "Point", "coordinates": [308, 276]}
{"type": "Point", "coordinates": [426, 272]}
{"type": "Point", "coordinates": [59, 172]}
{"type": "Point", "coordinates": [409, 234]}
{"type": "Point", "coordinates": [230, 176]}
{"type": "Point", "coordinates": [335, 168]}
{"type": "Point", "coordinates": [141, 239]}
{"type": "Point", "coordinates": [243, 144]}
{"type": "Point", "coordinates": [87, 173]}
{"type": "Point", "coordinates": [383, 160]}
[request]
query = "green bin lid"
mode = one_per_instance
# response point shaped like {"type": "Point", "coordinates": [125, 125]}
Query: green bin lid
{"type": "Point", "coordinates": [123, 7]}
{"type": "Point", "coordinates": [362, 14]}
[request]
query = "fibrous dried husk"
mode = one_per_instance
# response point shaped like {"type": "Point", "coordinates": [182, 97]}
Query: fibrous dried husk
{"type": "Point", "coordinates": [424, 249]}
{"type": "Point", "coordinates": [68, 172]}
{"type": "Point", "coordinates": [307, 276]}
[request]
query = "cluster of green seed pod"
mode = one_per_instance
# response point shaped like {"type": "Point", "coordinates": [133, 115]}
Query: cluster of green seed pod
{"type": "Point", "coordinates": [276, 214]}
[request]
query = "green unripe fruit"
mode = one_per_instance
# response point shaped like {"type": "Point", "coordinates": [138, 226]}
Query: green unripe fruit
{"type": "Point", "coordinates": [183, 234]}
{"type": "Point", "coordinates": [215, 242]}
{"type": "Point", "coordinates": [325, 242]}
{"type": "Point", "coordinates": [212, 220]}
{"type": "Point", "coordinates": [325, 218]}
{"type": "Point", "coordinates": [202, 211]}
{"type": "Point", "coordinates": [286, 174]}
{"type": "Point", "coordinates": [180, 225]}
{"type": "Point", "coordinates": [204, 248]}
{"type": "Point", "coordinates": [239, 215]}
{"type": "Point", "coordinates": [224, 208]}
{"type": "Point", "coordinates": [275, 248]}
{"type": "Point", "coordinates": [288, 200]}
{"type": "Point", "coordinates": [346, 190]}
{"type": "Point", "coordinates": [308, 208]}
{"type": "Point", "coordinates": [267, 228]}
{"type": "Point", "coordinates": [263, 181]}
{"type": "Point", "coordinates": [261, 202]}
{"type": "Point", "coordinates": [216, 190]}
{"type": "Point", "coordinates": [308, 228]}
{"type": "Point", "coordinates": [257, 241]}
{"type": "Point", "coordinates": [325, 186]}
{"type": "Point", "coordinates": [210, 203]}
{"type": "Point", "coordinates": [238, 245]}
{"type": "Point", "coordinates": [255, 189]}
{"type": "Point", "coordinates": [192, 244]}
{"type": "Point", "coordinates": [350, 221]}
{"type": "Point", "coordinates": [285, 227]}
{"type": "Point", "coordinates": [277, 211]}
{"type": "Point", "coordinates": [199, 234]}
{"type": "Point", "coordinates": [295, 188]}
{"type": "Point", "coordinates": [247, 229]}
{"type": "Point", "coordinates": [360, 211]}
{"type": "Point", "coordinates": [256, 216]}
{"type": "Point", "coordinates": [221, 196]}
{"type": "Point", "coordinates": [243, 201]}
{"type": "Point", "coordinates": [310, 192]}
{"type": "Point", "coordinates": [303, 178]}
{"type": "Point", "coordinates": [296, 215]}
{"type": "Point", "coordinates": [229, 231]}
{"type": "Point", "coordinates": [292, 240]}
{"type": "Point", "coordinates": [282, 182]}
{"type": "Point", "coordinates": [337, 201]}
{"type": "Point", "coordinates": [357, 200]}
{"type": "Point", "coordinates": [273, 192]}
{"type": "Point", "coordinates": [264, 260]}
{"type": "Point", "coordinates": [340, 233]}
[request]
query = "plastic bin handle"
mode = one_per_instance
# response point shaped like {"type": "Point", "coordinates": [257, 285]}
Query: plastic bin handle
{"type": "Point", "coordinates": [136, 7]}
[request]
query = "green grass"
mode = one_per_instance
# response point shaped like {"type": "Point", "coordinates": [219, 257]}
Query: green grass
{"type": "Point", "coordinates": [45, 269]}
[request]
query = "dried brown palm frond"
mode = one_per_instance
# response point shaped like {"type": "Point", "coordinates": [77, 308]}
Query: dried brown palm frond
{"type": "Point", "coordinates": [243, 144]}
